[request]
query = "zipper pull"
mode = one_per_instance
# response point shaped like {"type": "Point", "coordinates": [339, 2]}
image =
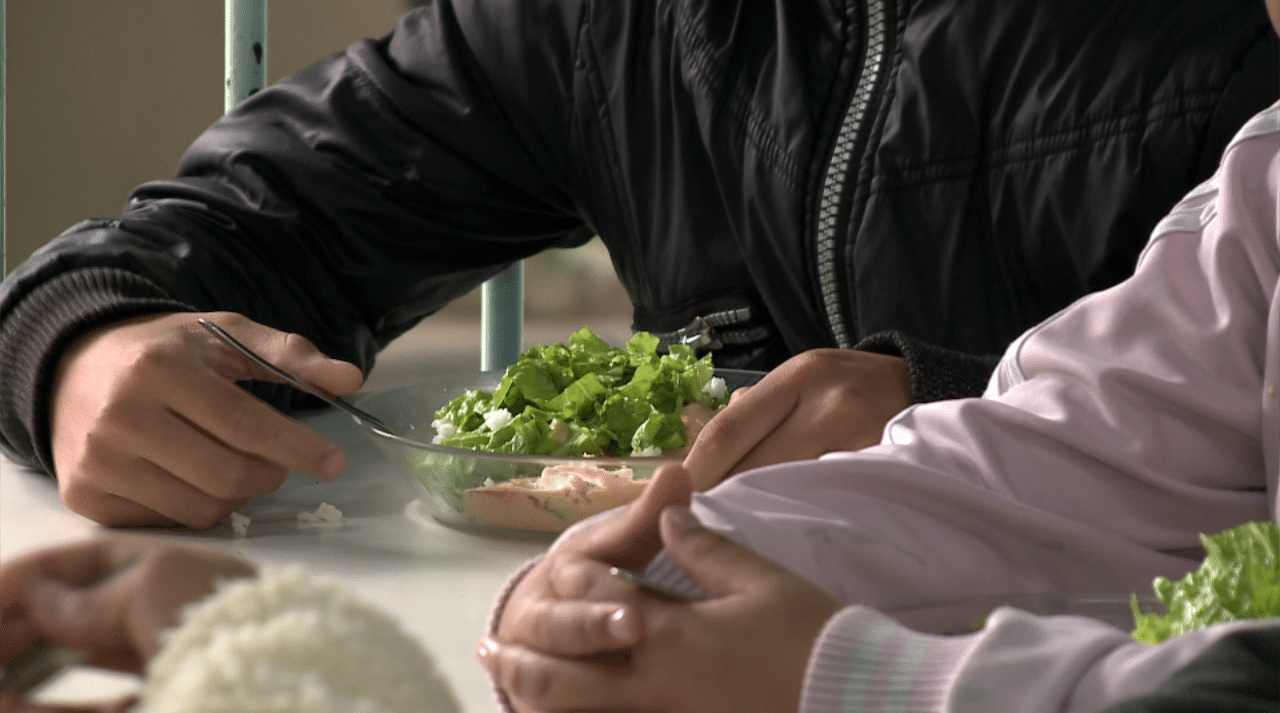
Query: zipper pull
{"type": "Point", "coordinates": [698, 334]}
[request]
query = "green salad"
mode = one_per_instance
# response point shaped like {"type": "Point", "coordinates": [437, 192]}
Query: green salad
{"type": "Point", "coordinates": [585, 398]}
{"type": "Point", "coordinates": [1240, 579]}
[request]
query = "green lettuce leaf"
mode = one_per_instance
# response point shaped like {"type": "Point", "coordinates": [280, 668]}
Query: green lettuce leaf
{"type": "Point", "coordinates": [1239, 579]}
{"type": "Point", "coordinates": [585, 398]}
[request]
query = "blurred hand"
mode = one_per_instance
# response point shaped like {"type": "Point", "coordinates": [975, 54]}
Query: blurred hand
{"type": "Point", "coordinates": [569, 601]}
{"type": "Point", "coordinates": [110, 597]}
{"type": "Point", "coordinates": [149, 427]}
{"type": "Point", "coordinates": [743, 650]}
{"type": "Point", "coordinates": [816, 402]}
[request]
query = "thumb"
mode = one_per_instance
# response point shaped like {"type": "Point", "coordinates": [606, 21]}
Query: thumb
{"type": "Point", "coordinates": [717, 563]}
{"type": "Point", "coordinates": [631, 538]}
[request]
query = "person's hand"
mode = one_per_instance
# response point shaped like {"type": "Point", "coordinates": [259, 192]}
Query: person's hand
{"type": "Point", "coordinates": [572, 582]}
{"type": "Point", "coordinates": [743, 650]}
{"type": "Point", "coordinates": [816, 402]}
{"type": "Point", "coordinates": [110, 597]}
{"type": "Point", "coordinates": [149, 427]}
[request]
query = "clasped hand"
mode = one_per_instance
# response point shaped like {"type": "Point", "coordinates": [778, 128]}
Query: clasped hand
{"type": "Point", "coordinates": [573, 637]}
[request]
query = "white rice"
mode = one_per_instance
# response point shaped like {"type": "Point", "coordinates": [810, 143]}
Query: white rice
{"type": "Point", "coordinates": [326, 514]}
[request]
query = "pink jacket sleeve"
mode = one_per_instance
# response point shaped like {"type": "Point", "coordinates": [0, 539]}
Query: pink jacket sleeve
{"type": "Point", "coordinates": [1111, 435]}
{"type": "Point", "coordinates": [865, 661]}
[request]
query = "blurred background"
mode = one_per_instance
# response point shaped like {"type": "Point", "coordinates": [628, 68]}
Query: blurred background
{"type": "Point", "coordinates": [106, 94]}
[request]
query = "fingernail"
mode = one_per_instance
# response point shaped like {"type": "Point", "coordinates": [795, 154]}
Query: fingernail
{"type": "Point", "coordinates": [486, 649]}
{"type": "Point", "coordinates": [623, 626]}
{"type": "Point", "coordinates": [681, 518]}
{"type": "Point", "coordinates": [333, 465]}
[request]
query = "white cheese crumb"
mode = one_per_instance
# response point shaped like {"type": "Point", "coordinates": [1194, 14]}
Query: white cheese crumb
{"type": "Point", "coordinates": [497, 418]}
{"type": "Point", "coordinates": [716, 387]}
{"type": "Point", "coordinates": [326, 514]}
{"type": "Point", "coordinates": [240, 524]}
{"type": "Point", "coordinates": [444, 429]}
{"type": "Point", "coordinates": [646, 452]}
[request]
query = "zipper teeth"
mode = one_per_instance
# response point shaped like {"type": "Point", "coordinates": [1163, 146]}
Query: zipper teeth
{"type": "Point", "coordinates": [743, 336]}
{"type": "Point", "coordinates": [846, 140]}
{"type": "Point", "coordinates": [732, 316]}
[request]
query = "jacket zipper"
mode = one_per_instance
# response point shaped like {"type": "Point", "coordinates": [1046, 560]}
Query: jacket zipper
{"type": "Point", "coordinates": [833, 188]}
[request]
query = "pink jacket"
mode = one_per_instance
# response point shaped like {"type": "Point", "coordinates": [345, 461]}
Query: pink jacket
{"type": "Point", "coordinates": [1110, 437]}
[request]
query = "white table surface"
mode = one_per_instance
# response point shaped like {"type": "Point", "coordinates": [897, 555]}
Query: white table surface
{"type": "Point", "coordinates": [439, 582]}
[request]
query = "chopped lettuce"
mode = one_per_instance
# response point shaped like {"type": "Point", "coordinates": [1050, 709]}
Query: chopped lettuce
{"type": "Point", "coordinates": [1240, 579]}
{"type": "Point", "coordinates": [585, 398]}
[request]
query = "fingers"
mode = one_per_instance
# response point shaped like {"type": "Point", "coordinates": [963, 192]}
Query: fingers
{"type": "Point", "coordinates": [630, 538]}
{"type": "Point", "coordinates": [139, 493]}
{"type": "Point", "coordinates": [142, 460]}
{"type": "Point", "coordinates": [290, 351]}
{"type": "Point", "coordinates": [569, 603]}
{"type": "Point", "coordinates": [163, 581]}
{"type": "Point", "coordinates": [817, 402]}
{"type": "Point", "coordinates": [148, 426]}
{"type": "Point", "coordinates": [791, 440]}
{"type": "Point", "coordinates": [553, 683]}
{"type": "Point", "coordinates": [32, 590]}
{"type": "Point", "coordinates": [253, 428]}
{"type": "Point", "coordinates": [78, 617]}
{"type": "Point", "coordinates": [209, 466]}
{"type": "Point", "coordinates": [79, 562]}
{"type": "Point", "coordinates": [717, 563]}
{"type": "Point", "coordinates": [581, 609]}
{"type": "Point", "coordinates": [751, 416]}
{"type": "Point", "coordinates": [581, 628]}
{"type": "Point", "coordinates": [670, 485]}
{"type": "Point", "coordinates": [108, 596]}
{"type": "Point", "coordinates": [745, 649]}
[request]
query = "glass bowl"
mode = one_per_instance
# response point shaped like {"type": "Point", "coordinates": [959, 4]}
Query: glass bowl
{"type": "Point", "coordinates": [459, 486]}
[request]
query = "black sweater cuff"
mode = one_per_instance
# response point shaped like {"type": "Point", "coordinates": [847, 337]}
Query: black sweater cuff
{"type": "Point", "coordinates": [41, 328]}
{"type": "Point", "coordinates": [1238, 674]}
{"type": "Point", "coordinates": [936, 373]}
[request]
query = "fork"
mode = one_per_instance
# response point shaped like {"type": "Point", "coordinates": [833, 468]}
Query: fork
{"type": "Point", "coordinates": [357, 413]}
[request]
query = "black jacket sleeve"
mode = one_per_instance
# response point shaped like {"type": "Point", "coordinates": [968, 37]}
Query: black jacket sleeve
{"type": "Point", "coordinates": [936, 373]}
{"type": "Point", "coordinates": [1239, 674]}
{"type": "Point", "coordinates": [344, 203]}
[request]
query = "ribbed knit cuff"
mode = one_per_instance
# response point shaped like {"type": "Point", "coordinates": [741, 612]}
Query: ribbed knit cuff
{"type": "Point", "coordinates": [495, 616]}
{"type": "Point", "coordinates": [865, 661]}
{"type": "Point", "coordinates": [41, 328]}
{"type": "Point", "coordinates": [937, 374]}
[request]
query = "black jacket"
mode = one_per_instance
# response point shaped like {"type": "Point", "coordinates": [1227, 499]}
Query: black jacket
{"type": "Point", "coordinates": [800, 173]}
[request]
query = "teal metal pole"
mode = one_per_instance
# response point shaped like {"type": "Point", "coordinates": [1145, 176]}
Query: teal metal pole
{"type": "Point", "coordinates": [502, 318]}
{"type": "Point", "coordinates": [245, 50]}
